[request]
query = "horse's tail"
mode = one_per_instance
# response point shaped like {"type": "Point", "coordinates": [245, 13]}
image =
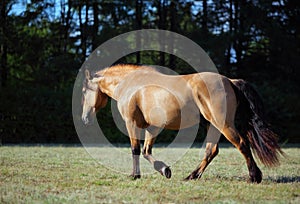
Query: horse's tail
{"type": "Point", "coordinates": [262, 140]}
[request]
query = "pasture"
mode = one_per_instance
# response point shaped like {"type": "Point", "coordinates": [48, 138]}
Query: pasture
{"type": "Point", "coordinates": [57, 174]}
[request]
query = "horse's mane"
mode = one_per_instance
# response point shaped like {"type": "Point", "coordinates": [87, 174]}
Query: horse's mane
{"type": "Point", "coordinates": [125, 68]}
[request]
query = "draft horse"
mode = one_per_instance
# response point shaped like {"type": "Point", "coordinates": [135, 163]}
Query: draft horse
{"type": "Point", "coordinates": [150, 100]}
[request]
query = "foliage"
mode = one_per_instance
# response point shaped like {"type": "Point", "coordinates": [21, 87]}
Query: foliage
{"type": "Point", "coordinates": [44, 43]}
{"type": "Point", "coordinates": [36, 115]}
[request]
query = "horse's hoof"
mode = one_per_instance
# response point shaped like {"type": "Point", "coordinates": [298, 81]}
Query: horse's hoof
{"type": "Point", "coordinates": [166, 171]}
{"type": "Point", "coordinates": [255, 177]}
{"type": "Point", "coordinates": [134, 177]}
{"type": "Point", "coordinates": [163, 169]}
{"type": "Point", "coordinates": [189, 178]}
{"type": "Point", "coordinates": [195, 175]}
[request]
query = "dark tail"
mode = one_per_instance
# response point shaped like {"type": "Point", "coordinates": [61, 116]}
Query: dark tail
{"type": "Point", "coordinates": [262, 140]}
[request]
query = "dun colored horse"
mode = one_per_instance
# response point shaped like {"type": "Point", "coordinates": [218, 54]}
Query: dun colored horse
{"type": "Point", "coordinates": [148, 99]}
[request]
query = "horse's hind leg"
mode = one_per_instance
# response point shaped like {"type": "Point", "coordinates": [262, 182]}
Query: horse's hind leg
{"type": "Point", "coordinates": [159, 166]}
{"type": "Point", "coordinates": [211, 151]}
{"type": "Point", "coordinates": [233, 136]}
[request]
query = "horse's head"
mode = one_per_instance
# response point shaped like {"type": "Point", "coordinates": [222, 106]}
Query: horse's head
{"type": "Point", "coordinates": [92, 97]}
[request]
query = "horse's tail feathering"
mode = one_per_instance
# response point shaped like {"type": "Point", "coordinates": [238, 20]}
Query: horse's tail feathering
{"type": "Point", "coordinates": [262, 140]}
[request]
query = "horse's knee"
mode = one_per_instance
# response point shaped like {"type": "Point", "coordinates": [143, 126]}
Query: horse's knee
{"type": "Point", "coordinates": [147, 151]}
{"type": "Point", "coordinates": [136, 151]}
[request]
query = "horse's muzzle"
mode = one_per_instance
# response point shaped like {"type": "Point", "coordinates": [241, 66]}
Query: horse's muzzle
{"type": "Point", "coordinates": [85, 120]}
{"type": "Point", "coordinates": [88, 119]}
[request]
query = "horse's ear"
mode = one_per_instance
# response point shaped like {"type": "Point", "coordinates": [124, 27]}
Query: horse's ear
{"type": "Point", "coordinates": [97, 78]}
{"type": "Point", "coordinates": [87, 74]}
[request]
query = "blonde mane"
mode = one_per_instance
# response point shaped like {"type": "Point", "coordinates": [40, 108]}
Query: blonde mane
{"type": "Point", "coordinates": [121, 69]}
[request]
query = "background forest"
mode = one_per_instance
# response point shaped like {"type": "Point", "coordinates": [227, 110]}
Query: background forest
{"type": "Point", "coordinates": [44, 43]}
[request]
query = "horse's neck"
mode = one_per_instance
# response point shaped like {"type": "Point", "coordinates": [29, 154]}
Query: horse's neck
{"type": "Point", "coordinates": [108, 85]}
{"type": "Point", "coordinates": [110, 82]}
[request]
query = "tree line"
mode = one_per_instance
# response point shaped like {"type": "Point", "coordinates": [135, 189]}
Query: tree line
{"type": "Point", "coordinates": [44, 43]}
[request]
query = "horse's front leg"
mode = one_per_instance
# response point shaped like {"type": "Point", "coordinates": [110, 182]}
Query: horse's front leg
{"type": "Point", "coordinates": [134, 135]}
{"type": "Point", "coordinates": [147, 153]}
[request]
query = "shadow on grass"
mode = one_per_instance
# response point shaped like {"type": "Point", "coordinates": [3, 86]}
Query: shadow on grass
{"type": "Point", "coordinates": [284, 179]}
{"type": "Point", "coordinates": [281, 179]}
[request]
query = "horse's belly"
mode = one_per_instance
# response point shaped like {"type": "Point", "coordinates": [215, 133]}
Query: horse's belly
{"type": "Point", "coordinates": [174, 118]}
{"type": "Point", "coordinates": [180, 123]}
{"type": "Point", "coordinates": [187, 118]}
{"type": "Point", "coordinates": [170, 107]}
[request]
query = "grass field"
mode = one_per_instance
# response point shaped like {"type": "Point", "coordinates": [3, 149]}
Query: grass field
{"type": "Point", "coordinates": [42, 174]}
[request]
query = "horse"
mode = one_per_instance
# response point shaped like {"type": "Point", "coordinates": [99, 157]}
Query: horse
{"type": "Point", "coordinates": [148, 99]}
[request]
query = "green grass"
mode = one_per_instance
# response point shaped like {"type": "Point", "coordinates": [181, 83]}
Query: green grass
{"type": "Point", "coordinates": [70, 175]}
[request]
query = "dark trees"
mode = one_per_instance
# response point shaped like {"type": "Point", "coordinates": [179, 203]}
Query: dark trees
{"type": "Point", "coordinates": [44, 43]}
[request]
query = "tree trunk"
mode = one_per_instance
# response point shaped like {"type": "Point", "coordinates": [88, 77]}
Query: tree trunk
{"type": "Point", "coordinates": [68, 26]}
{"type": "Point", "coordinates": [228, 52]}
{"type": "Point", "coordinates": [162, 13]}
{"type": "Point", "coordinates": [205, 18]}
{"type": "Point", "coordinates": [138, 15]}
{"type": "Point", "coordinates": [173, 29]}
{"type": "Point", "coordinates": [83, 31]}
{"type": "Point", "coordinates": [95, 25]}
{"type": "Point", "coordinates": [4, 68]}
{"type": "Point", "coordinates": [237, 34]}
{"type": "Point", "coordinates": [3, 49]}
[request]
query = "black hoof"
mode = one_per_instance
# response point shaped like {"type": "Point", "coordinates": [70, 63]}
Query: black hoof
{"type": "Point", "coordinates": [193, 176]}
{"type": "Point", "coordinates": [187, 178]}
{"type": "Point", "coordinates": [134, 177]}
{"type": "Point", "coordinates": [166, 171]}
{"type": "Point", "coordinates": [256, 176]}
{"type": "Point", "coordinates": [256, 179]}
{"type": "Point", "coordinates": [163, 169]}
